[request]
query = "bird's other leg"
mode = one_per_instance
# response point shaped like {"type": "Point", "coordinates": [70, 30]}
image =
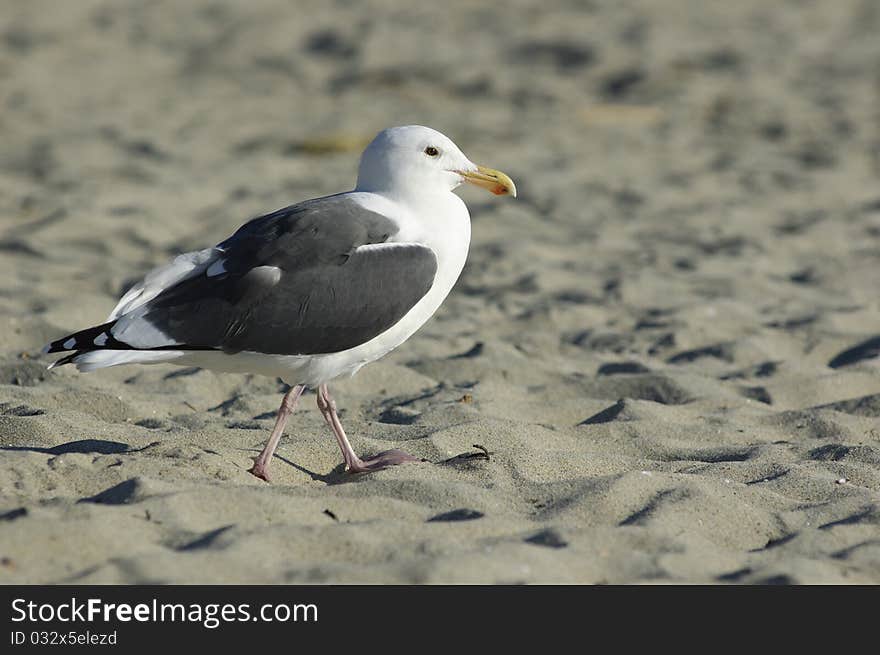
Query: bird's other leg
{"type": "Point", "coordinates": [288, 403]}
{"type": "Point", "coordinates": [353, 463]}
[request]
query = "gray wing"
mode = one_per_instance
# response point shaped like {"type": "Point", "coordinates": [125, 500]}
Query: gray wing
{"type": "Point", "coordinates": [295, 282]}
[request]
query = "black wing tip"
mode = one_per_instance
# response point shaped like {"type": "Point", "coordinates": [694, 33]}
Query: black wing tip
{"type": "Point", "coordinates": [84, 340]}
{"type": "Point", "coordinates": [56, 346]}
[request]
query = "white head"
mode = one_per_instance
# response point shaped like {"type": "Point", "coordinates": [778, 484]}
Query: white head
{"type": "Point", "coordinates": [418, 160]}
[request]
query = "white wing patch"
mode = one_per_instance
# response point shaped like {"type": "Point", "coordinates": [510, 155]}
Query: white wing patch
{"type": "Point", "coordinates": [217, 268]}
{"type": "Point", "coordinates": [387, 245]}
{"type": "Point", "coordinates": [101, 339]}
{"type": "Point", "coordinates": [132, 329]}
{"type": "Point", "coordinates": [182, 267]}
{"type": "Point", "coordinates": [268, 275]}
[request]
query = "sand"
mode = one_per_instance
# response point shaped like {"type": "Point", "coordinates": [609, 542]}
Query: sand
{"type": "Point", "coordinates": [647, 341]}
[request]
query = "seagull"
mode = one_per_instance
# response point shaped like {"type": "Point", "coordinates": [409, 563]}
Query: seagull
{"type": "Point", "coordinates": [312, 292]}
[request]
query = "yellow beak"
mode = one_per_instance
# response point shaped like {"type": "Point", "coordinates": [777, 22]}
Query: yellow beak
{"type": "Point", "coordinates": [490, 179]}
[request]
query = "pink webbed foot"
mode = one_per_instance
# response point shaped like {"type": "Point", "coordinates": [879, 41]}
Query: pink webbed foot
{"type": "Point", "coordinates": [353, 463]}
{"type": "Point", "coordinates": [260, 469]}
{"type": "Point", "coordinates": [382, 460]}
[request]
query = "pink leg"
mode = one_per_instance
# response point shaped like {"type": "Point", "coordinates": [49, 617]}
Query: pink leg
{"type": "Point", "coordinates": [261, 461]}
{"type": "Point", "coordinates": [353, 463]}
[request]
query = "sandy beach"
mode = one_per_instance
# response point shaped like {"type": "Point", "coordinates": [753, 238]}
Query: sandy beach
{"type": "Point", "coordinates": [655, 367]}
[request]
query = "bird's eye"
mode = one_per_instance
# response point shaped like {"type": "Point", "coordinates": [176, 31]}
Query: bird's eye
{"type": "Point", "coordinates": [431, 151]}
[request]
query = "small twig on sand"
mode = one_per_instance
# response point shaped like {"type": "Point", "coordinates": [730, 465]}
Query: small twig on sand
{"type": "Point", "coordinates": [464, 457]}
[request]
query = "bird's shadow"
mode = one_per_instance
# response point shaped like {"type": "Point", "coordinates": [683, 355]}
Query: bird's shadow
{"type": "Point", "coordinates": [326, 479]}
{"type": "Point", "coordinates": [337, 476]}
{"type": "Point", "coordinates": [340, 476]}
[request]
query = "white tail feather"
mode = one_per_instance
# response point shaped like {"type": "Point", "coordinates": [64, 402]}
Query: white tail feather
{"type": "Point", "coordinates": [95, 359]}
